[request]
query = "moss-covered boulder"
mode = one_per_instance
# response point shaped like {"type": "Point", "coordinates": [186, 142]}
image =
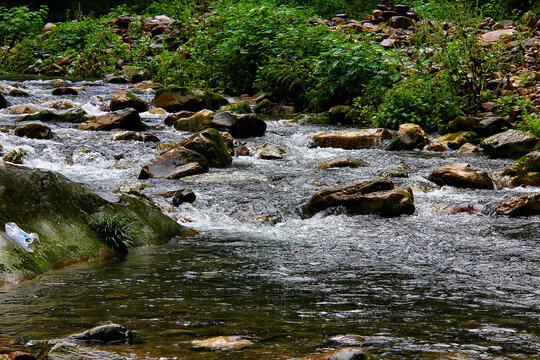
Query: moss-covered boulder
{"type": "Point", "coordinates": [483, 126]}
{"type": "Point", "coordinates": [176, 98]}
{"type": "Point", "coordinates": [70, 115]}
{"type": "Point", "coordinates": [511, 144]}
{"type": "Point", "coordinates": [57, 210]}
{"type": "Point", "coordinates": [264, 107]}
{"type": "Point", "coordinates": [456, 140]}
{"type": "Point", "coordinates": [210, 144]}
{"type": "Point", "coordinates": [126, 100]}
{"type": "Point", "coordinates": [525, 171]}
{"type": "Point", "coordinates": [410, 137]}
{"type": "Point", "coordinates": [343, 114]}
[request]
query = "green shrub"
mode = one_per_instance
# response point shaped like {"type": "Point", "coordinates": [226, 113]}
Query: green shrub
{"type": "Point", "coordinates": [117, 230]}
{"type": "Point", "coordinates": [19, 22]}
{"type": "Point", "coordinates": [527, 117]}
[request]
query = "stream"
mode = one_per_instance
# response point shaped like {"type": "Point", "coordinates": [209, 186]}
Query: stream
{"type": "Point", "coordinates": [428, 286]}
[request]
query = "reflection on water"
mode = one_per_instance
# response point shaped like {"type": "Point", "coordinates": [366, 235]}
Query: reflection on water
{"type": "Point", "coordinates": [427, 286]}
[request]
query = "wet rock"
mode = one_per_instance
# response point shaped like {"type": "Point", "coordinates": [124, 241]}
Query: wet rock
{"type": "Point", "coordinates": [147, 137]}
{"type": "Point", "coordinates": [345, 353]}
{"type": "Point", "coordinates": [191, 123]}
{"type": "Point", "coordinates": [263, 107]}
{"type": "Point", "coordinates": [125, 100]}
{"type": "Point", "coordinates": [510, 144]}
{"type": "Point", "coordinates": [128, 136]}
{"type": "Point", "coordinates": [456, 140]}
{"type": "Point", "coordinates": [105, 333]}
{"type": "Point", "coordinates": [483, 126]}
{"type": "Point", "coordinates": [520, 206]}
{"type": "Point", "coordinates": [70, 115]}
{"type": "Point", "coordinates": [175, 163]}
{"type": "Point", "coordinates": [18, 93]}
{"type": "Point", "coordinates": [270, 152]}
{"type": "Point", "coordinates": [23, 109]}
{"type": "Point", "coordinates": [127, 119]}
{"type": "Point", "coordinates": [178, 98]}
{"type": "Point", "coordinates": [400, 22]}
{"type": "Point", "coordinates": [342, 114]}
{"type": "Point", "coordinates": [525, 171]}
{"type": "Point", "coordinates": [229, 142]}
{"type": "Point", "coordinates": [222, 343]}
{"type": "Point", "coordinates": [64, 91]}
{"type": "Point", "coordinates": [114, 79]}
{"type": "Point", "coordinates": [437, 147]}
{"type": "Point", "coordinates": [211, 145]}
{"type": "Point", "coordinates": [14, 156]}
{"type": "Point", "coordinates": [140, 75]}
{"type": "Point", "coordinates": [379, 196]}
{"type": "Point", "coordinates": [238, 125]}
{"type": "Point", "coordinates": [34, 131]}
{"type": "Point", "coordinates": [3, 101]}
{"type": "Point", "coordinates": [70, 351]}
{"type": "Point", "coordinates": [469, 149]}
{"type": "Point", "coordinates": [394, 174]}
{"type": "Point", "coordinates": [19, 355]}
{"type": "Point", "coordinates": [185, 196]}
{"type": "Point", "coordinates": [410, 137]}
{"type": "Point", "coordinates": [461, 175]}
{"type": "Point", "coordinates": [352, 139]}
{"type": "Point", "coordinates": [341, 162]}
{"type": "Point", "coordinates": [241, 150]}
{"type": "Point", "coordinates": [349, 339]}
{"type": "Point", "coordinates": [499, 36]}
{"type": "Point", "coordinates": [171, 118]}
{"type": "Point", "coordinates": [466, 208]}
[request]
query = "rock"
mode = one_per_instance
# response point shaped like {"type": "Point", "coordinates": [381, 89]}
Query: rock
{"type": "Point", "coordinates": [456, 140]}
{"type": "Point", "coordinates": [529, 19]}
{"type": "Point", "coordinates": [510, 144]}
{"type": "Point", "coordinates": [222, 342]}
{"type": "Point", "coordinates": [37, 199]}
{"type": "Point", "coordinates": [140, 75]}
{"type": "Point", "coordinates": [410, 137]}
{"type": "Point", "coordinates": [171, 118]}
{"type": "Point", "coordinates": [394, 174]}
{"type": "Point", "coordinates": [483, 126]}
{"type": "Point", "coordinates": [499, 36]}
{"type": "Point", "coordinates": [238, 125]}
{"type": "Point", "coordinates": [400, 22]}
{"type": "Point", "coordinates": [341, 162]}
{"type": "Point", "coordinates": [210, 144]}
{"type": "Point", "coordinates": [127, 136]}
{"type": "Point", "coordinates": [461, 175]}
{"type": "Point", "coordinates": [125, 100]}
{"type": "Point", "coordinates": [342, 114]}
{"type": "Point", "coordinates": [147, 137]}
{"type": "Point", "coordinates": [241, 150]}
{"type": "Point", "coordinates": [127, 119]}
{"type": "Point", "coordinates": [34, 131]}
{"type": "Point", "coordinates": [175, 163]}
{"type": "Point", "coordinates": [105, 333]}
{"type": "Point", "coordinates": [263, 107]}
{"type": "Point", "coordinates": [525, 171]}
{"type": "Point", "coordinates": [123, 21]}
{"type": "Point", "coordinates": [3, 102]}
{"type": "Point", "coordinates": [18, 93]}
{"type": "Point", "coordinates": [14, 156]}
{"type": "Point", "coordinates": [19, 355]}
{"type": "Point", "coordinates": [270, 152]}
{"type": "Point", "coordinates": [70, 115]}
{"type": "Point", "coordinates": [469, 149]}
{"type": "Point", "coordinates": [65, 91]}
{"type": "Point", "coordinates": [379, 196]}
{"type": "Point", "coordinates": [229, 141]}
{"type": "Point", "coordinates": [388, 43]}
{"type": "Point", "coordinates": [194, 122]}
{"type": "Point", "coordinates": [352, 139]}
{"type": "Point", "coordinates": [113, 79]}
{"type": "Point", "coordinates": [345, 353]}
{"type": "Point", "coordinates": [520, 206]}
{"type": "Point", "coordinates": [437, 147]}
{"type": "Point", "coordinates": [70, 351]}
{"type": "Point", "coordinates": [178, 98]}
{"type": "Point", "coordinates": [23, 109]}
{"type": "Point", "coordinates": [186, 196]}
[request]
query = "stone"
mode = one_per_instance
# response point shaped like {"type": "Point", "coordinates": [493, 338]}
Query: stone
{"type": "Point", "coordinates": [127, 119]}
{"type": "Point", "coordinates": [175, 98]}
{"type": "Point", "coordinates": [525, 171]}
{"type": "Point", "coordinates": [125, 100]}
{"type": "Point", "coordinates": [520, 206]}
{"type": "Point", "coordinates": [394, 174]}
{"type": "Point", "coordinates": [123, 21]}
{"type": "Point", "coordinates": [241, 150]}
{"type": "Point", "coordinates": [270, 152]}
{"type": "Point", "coordinates": [469, 149]}
{"type": "Point", "coordinates": [186, 196]}
{"type": "Point", "coordinates": [529, 19]}
{"type": "Point", "coordinates": [379, 196]}
{"type": "Point", "coordinates": [108, 333]}
{"type": "Point", "coordinates": [194, 122]}
{"type": "Point", "coordinates": [437, 147]}
{"type": "Point", "coordinates": [64, 91]}
{"type": "Point", "coordinates": [461, 175]}
{"type": "Point", "coordinates": [18, 93]}
{"type": "Point", "coordinates": [69, 115]}
{"type": "Point", "coordinates": [238, 125]}
{"type": "Point", "coordinates": [456, 140]}
{"type": "Point", "coordinates": [352, 139]}
{"type": "Point", "coordinates": [400, 22]}
{"type": "Point", "coordinates": [229, 141]}
{"type": "Point", "coordinates": [499, 36]}
{"type": "Point", "coordinates": [483, 126]}
{"type": "Point", "coordinates": [410, 137]}
{"type": "Point", "coordinates": [345, 353]}
{"type": "Point", "coordinates": [263, 107]}
{"type": "Point", "coordinates": [175, 163]}
{"type": "Point", "coordinates": [14, 156]}
{"type": "Point", "coordinates": [210, 144]}
{"type": "Point", "coordinates": [34, 131]}
{"type": "Point", "coordinates": [171, 118]}
{"type": "Point", "coordinates": [341, 162]}
{"type": "Point", "coordinates": [3, 102]}
{"type": "Point", "coordinates": [127, 136]}
{"type": "Point", "coordinates": [147, 137]}
{"type": "Point", "coordinates": [19, 355]}
{"type": "Point", "coordinates": [388, 43]}
{"type": "Point", "coordinates": [510, 144]}
{"type": "Point", "coordinates": [70, 351]}
{"type": "Point", "coordinates": [342, 114]}
{"type": "Point", "coordinates": [222, 342]}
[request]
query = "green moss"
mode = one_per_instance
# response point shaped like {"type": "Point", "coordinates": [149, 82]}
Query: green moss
{"type": "Point", "coordinates": [239, 108]}
{"type": "Point", "coordinates": [320, 118]}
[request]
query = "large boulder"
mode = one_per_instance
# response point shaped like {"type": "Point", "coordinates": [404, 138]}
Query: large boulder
{"type": "Point", "coordinates": [344, 353]}
{"type": "Point", "coordinates": [108, 333]}
{"type": "Point", "coordinates": [352, 139]}
{"type": "Point", "coordinates": [520, 206]}
{"type": "Point", "coordinates": [461, 175]}
{"type": "Point", "coordinates": [238, 125]}
{"type": "Point", "coordinates": [175, 163]}
{"type": "Point", "coordinates": [483, 126]}
{"type": "Point", "coordinates": [3, 102]}
{"type": "Point", "coordinates": [176, 98]}
{"type": "Point", "coordinates": [410, 137]}
{"type": "Point", "coordinates": [126, 100]}
{"type": "Point", "coordinates": [69, 115]}
{"type": "Point", "coordinates": [210, 144]}
{"type": "Point", "coordinates": [127, 119]}
{"type": "Point", "coordinates": [190, 123]}
{"type": "Point", "coordinates": [379, 196]}
{"type": "Point", "coordinates": [34, 131]}
{"type": "Point", "coordinates": [510, 144]}
{"type": "Point", "coordinates": [36, 200]}
{"type": "Point", "coordinates": [525, 171]}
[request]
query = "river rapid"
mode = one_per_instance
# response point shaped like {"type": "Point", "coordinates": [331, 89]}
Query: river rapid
{"type": "Point", "coordinates": [428, 286]}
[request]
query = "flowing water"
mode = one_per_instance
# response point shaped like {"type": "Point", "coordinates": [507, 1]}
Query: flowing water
{"type": "Point", "coordinates": [428, 286]}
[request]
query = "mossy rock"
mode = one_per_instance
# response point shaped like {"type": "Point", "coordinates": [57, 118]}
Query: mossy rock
{"type": "Point", "coordinates": [210, 144]}
{"type": "Point", "coordinates": [175, 98]}
{"type": "Point", "coordinates": [238, 108]}
{"type": "Point", "coordinates": [526, 171]}
{"type": "Point", "coordinates": [315, 118]}
{"type": "Point", "coordinates": [18, 93]}
{"type": "Point", "coordinates": [263, 107]}
{"type": "Point", "coordinates": [70, 115]}
{"type": "Point", "coordinates": [57, 210]}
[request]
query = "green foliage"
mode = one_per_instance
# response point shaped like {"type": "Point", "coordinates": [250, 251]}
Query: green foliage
{"type": "Point", "coordinates": [117, 230]}
{"type": "Point", "coordinates": [527, 117]}
{"type": "Point", "coordinates": [19, 22]}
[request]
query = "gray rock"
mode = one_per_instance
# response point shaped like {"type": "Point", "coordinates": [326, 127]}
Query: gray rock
{"type": "Point", "coordinates": [174, 164]}
{"type": "Point", "coordinates": [175, 99]}
{"type": "Point", "coordinates": [238, 125]}
{"type": "Point", "coordinates": [127, 119]}
{"type": "Point", "coordinates": [70, 351]}
{"type": "Point", "coordinates": [105, 333]}
{"type": "Point", "coordinates": [270, 152]}
{"type": "Point", "coordinates": [510, 144]}
{"type": "Point", "coordinates": [461, 175]}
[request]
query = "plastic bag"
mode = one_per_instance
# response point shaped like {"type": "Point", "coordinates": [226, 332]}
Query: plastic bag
{"type": "Point", "coordinates": [22, 238]}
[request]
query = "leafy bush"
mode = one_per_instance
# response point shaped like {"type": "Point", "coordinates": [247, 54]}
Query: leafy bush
{"type": "Point", "coordinates": [523, 108]}
{"type": "Point", "coordinates": [117, 230]}
{"type": "Point", "coordinates": [19, 22]}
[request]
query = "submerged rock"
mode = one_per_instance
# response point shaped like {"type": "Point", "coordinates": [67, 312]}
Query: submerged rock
{"type": "Point", "coordinates": [352, 139]}
{"type": "Point", "coordinates": [127, 119]}
{"type": "Point", "coordinates": [510, 144]}
{"type": "Point", "coordinates": [379, 196]}
{"type": "Point", "coordinates": [70, 115]}
{"type": "Point", "coordinates": [341, 162]}
{"type": "Point", "coordinates": [176, 98]}
{"type": "Point", "coordinates": [461, 175]}
{"type": "Point", "coordinates": [34, 131]}
{"type": "Point", "coordinates": [105, 333]}
{"type": "Point", "coordinates": [210, 144]}
{"type": "Point", "coordinates": [175, 163]}
{"type": "Point", "coordinates": [345, 353]}
{"type": "Point", "coordinates": [410, 137]}
{"type": "Point", "coordinates": [520, 206]}
{"type": "Point", "coordinates": [66, 350]}
{"type": "Point", "coordinates": [222, 343]}
{"type": "Point", "coordinates": [525, 171]}
{"type": "Point", "coordinates": [126, 100]}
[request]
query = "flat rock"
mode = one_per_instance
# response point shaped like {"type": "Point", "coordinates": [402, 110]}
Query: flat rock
{"type": "Point", "coordinates": [499, 36]}
{"type": "Point", "coordinates": [69, 115]}
{"type": "Point", "coordinates": [222, 343]}
{"type": "Point", "coordinates": [352, 139]}
{"type": "Point", "coordinates": [461, 175]}
{"type": "Point", "coordinates": [71, 351]}
{"type": "Point", "coordinates": [511, 144]}
{"type": "Point", "coordinates": [189, 123]}
{"type": "Point", "coordinates": [65, 91]}
{"type": "Point", "coordinates": [270, 152]}
{"type": "Point", "coordinates": [175, 99]}
{"type": "Point", "coordinates": [127, 119]}
{"type": "Point", "coordinates": [341, 162]}
{"type": "Point", "coordinates": [175, 163]}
